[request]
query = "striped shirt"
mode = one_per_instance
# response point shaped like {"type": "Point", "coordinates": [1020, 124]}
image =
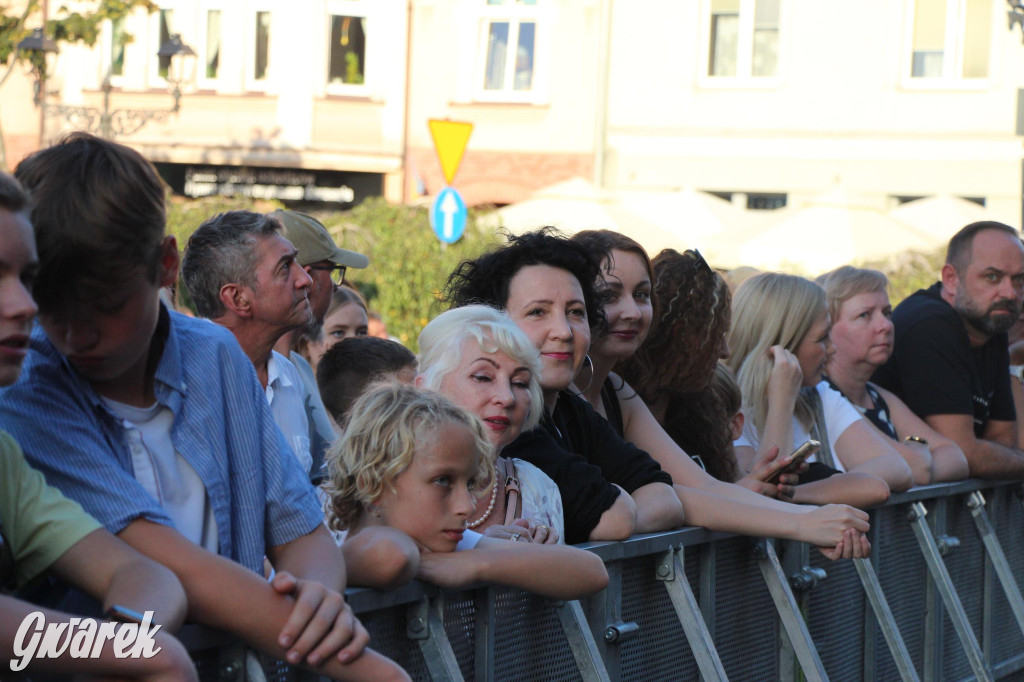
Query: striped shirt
{"type": "Point", "coordinates": [222, 426]}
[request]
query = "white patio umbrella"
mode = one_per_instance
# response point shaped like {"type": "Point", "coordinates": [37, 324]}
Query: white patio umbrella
{"type": "Point", "coordinates": [692, 214]}
{"type": "Point", "coordinates": [941, 216]}
{"type": "Point", "coordinates": [832, 230]}
{"type": "Point", "coordinates": [657, 220]}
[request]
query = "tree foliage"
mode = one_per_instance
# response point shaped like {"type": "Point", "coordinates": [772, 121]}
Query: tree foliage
{"type": "Point", "coordinates": [909, 272]}
{"type": "Point", "coordinates": [408, 265]}
{"type": "Point", "coordinates": [65, 26]}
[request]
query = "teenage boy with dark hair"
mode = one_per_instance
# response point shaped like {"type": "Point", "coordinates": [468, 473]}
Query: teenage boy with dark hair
{"type": "Point", "coordinates": [41, 531]}
{"type": "Point", "coordinates": [156, 422]}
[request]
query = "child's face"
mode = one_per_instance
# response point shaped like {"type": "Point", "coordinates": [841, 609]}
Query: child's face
{"type": "Point", "coordinates": [108, 341]}
{"type": "Point", "coordinates": [18, 265]}
{"type": "Point", "coordinates": [434, 498]}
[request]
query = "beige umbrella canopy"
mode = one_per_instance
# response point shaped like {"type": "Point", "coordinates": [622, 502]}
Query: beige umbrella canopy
{"type": "Point", "coordinates": [942, 216]}
{"type": "Point", "coordinates": [675, 220]}
{"type": "Point", "coordinates": [832, 230]}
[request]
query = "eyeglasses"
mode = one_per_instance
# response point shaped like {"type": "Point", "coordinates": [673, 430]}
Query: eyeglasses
{"type": "Point", "coordinates": [337, 272]}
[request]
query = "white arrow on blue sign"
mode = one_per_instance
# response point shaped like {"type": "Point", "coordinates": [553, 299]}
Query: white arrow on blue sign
{"type": "Point", "coordinates": [448, 216]}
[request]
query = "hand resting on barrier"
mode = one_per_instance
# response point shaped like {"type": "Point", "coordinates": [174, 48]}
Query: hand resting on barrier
{"type": "Point", "coordinates": [837, 530]}
{"type": "Point", "coordinates": [534, 532]}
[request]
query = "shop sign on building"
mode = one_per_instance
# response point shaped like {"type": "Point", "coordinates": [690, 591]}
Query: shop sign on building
{"type": "Point", "coordinates": [342, 189]}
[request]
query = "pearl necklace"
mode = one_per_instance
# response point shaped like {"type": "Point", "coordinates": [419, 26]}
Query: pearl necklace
{"type": "Point", "coordinates": [490, 507]}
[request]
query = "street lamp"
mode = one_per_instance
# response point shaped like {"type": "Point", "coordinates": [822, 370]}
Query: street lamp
{"type": "Point", "coordinates": [105, 121]}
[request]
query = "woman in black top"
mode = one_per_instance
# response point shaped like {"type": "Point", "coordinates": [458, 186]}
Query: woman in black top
{"type": "Point", "coordinates": [862, 334]}
{"type": "Point", "coordinates": [546, 285]}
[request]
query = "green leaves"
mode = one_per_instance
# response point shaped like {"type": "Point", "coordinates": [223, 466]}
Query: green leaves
{"type": "Point", "coordinates": [408, 265]}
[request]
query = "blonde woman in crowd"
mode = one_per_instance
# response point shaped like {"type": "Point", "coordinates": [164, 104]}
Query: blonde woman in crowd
{"type": "Point", "coordinates": [780, 343]}
{"type": "Point", "coordinates": [480, 360]}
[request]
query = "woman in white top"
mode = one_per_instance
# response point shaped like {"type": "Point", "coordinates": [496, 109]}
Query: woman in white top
{"type": "Point", "coordinates": [478, 358]}
{"type": "Point", "coordinates": [780, 344]}
{"type": "Point", "coordinates": [862, 332]}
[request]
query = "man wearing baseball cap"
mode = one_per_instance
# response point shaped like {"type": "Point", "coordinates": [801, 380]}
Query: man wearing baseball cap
{"type": "Point", "coordinates": [326, 264]}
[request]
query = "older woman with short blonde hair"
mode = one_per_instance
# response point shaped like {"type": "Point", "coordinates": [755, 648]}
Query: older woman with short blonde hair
{"type": "Point", "coordinates": [862, 332]}
{"type": "Point", "coordinates": [478, 358]}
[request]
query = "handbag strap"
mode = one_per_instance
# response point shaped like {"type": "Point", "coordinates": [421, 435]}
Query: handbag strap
{"type": "Point", "coordinates": [819, 430]}
{"type": "Point", "coordinates": [513, 495]}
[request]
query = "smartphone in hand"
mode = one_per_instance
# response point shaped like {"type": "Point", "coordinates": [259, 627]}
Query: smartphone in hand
{"type": "Point", "coordinates": [799, 455]}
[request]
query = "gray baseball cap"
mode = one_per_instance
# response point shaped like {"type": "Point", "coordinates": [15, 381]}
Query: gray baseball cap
{"type": "Point", "coordinates": [314, 242]}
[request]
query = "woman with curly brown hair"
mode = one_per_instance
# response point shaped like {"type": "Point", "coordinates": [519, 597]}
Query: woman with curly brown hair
{"type": "Point", "coordinates": [685, 347]}
{"type": "Point", "coordinates": [669, 364]}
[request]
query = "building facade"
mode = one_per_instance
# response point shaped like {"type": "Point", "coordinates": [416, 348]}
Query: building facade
{"type": "Point", "coordinates": [766, 102]}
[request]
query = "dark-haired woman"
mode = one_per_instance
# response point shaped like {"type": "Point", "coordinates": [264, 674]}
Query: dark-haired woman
{"type": "Point", "coordinates": [546, 285]}
{"type": "Point", "coordinates": [627, 281]}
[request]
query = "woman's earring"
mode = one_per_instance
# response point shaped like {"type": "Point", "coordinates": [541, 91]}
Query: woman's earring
{"type": "Point", "coordinates": [587, 360]}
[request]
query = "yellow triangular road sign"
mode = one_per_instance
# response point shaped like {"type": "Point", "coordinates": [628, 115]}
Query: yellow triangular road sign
{"type": "Point", "coordinates": [450, 138]}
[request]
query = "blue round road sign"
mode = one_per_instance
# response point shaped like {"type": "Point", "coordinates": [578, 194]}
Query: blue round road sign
{"type": "Point", "coordinates": [448, 216]}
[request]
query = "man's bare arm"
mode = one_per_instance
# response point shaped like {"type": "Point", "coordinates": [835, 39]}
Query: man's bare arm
{"type": "Point", "coordinates": [994, 456]}
{"type": "Point", "coordinates": [224, 595]}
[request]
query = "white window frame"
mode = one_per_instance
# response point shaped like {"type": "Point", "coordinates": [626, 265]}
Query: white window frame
{"type": "Point", "coordinates": [745, 50]}
{"type": "Point", "coordinates": [203, 10]}
{"type": "Point", "coordinates": [136, 65]}
{"type": "Point", "coordinates": [249, 40]}
{"type": "Point", "coordinates": [350, 8]}
{"type": "Point", "coordinates": [181, 18]}
{"type": "Point", "coordinates": [953, 50]}
{"type": "Point", "coordinates": [541, 16]}
{"type": "Point", "coordinates": [107, 53]}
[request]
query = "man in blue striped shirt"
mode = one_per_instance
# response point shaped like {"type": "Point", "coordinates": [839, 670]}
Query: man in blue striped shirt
{"type": "Point", "coordinates": [157, 424]}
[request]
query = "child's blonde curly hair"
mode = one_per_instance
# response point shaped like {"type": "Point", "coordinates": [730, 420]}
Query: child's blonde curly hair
{"type": "Point", "coordinates": [385, 425]}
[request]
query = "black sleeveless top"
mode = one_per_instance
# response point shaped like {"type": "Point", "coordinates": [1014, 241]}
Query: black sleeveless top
{"type": "Point", "coordinates": [610, 401]}
{"type": "Point", "coordinates": [877, 414]}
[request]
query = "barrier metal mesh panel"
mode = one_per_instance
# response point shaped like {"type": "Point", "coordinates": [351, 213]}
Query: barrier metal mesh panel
{"type": "Point", "coordinates": [529, 643]}
{"type": "Point", "coordinates": [1007, 516]}
{"type": "Point", "coordinates": [902, 574]}
{"type": "Point", "coordinates": [1013, 677]}
{"type": "Point", "coordinates": [460, 626]}
{"type": "Point", "coordinates": [835, 613]}
{"type": "Point", "coordinates": [967, 570]}
{"type": "Point", "coordinates": [691, 562]}
{"type": "Point", "coordinates": [660, 650]}
{"type": "Point", "coordinates": [387, 634]}
{"type": "Point", "coordinates": [207, 663]}
{"type": "Point", "coordinates": [746, 630]}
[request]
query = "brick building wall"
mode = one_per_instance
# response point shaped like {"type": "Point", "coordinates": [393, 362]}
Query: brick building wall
{"type": "Point", "coordinates": [496, 177]}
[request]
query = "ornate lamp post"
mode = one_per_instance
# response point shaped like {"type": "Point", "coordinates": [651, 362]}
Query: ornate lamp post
{"type": "Point", "coordinates": [105, 121]}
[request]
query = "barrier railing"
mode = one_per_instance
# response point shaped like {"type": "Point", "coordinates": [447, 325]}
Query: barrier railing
{"type": "Point", "coordinates": [938, 600]}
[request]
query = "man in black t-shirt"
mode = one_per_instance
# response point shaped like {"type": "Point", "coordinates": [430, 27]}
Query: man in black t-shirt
{"type": "Point", "coordinates": [950, 362]}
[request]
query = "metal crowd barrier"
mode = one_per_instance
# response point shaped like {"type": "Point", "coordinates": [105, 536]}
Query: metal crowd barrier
{"type": "Point", "coordinates": [939, 599]}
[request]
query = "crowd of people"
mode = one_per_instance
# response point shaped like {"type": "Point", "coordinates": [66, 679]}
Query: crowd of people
{"type": "Point", "coordinates": [240, 466]}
